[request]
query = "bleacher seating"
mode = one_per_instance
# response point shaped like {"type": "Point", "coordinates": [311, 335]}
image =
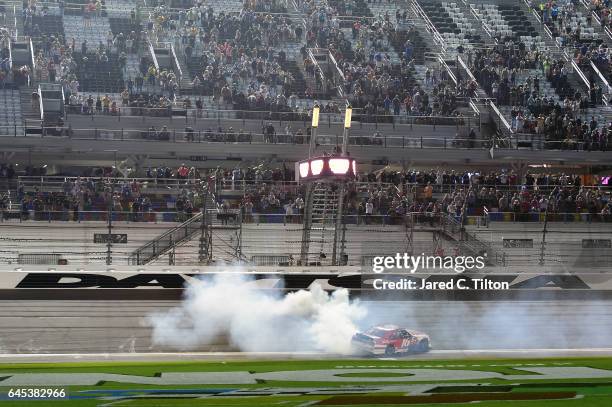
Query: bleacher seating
{"type": "Point", "coordinates": [10, 112]}
{"type": "Point", "coordinates": [48, 26]}
{"type": "Point", "coordinates": [94, 34]}
{"type": "Point", "coordinates": [99, 77]}
{"type": "Point", "coordinates": [123, 25]}
{"type": "Point", "coordinates": [517, 21]}
{"type": "Point", "coordinates": [380, 34]}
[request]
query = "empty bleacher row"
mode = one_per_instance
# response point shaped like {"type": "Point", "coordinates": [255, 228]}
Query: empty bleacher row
{"type": "Point", "coordinates": [122, 25]}
{"type": "Point", "coordinates": [98, 76]}
{"type": "Point", "coordinates": [452, 25]}
{"type": "Point", "coordinates": [94, 33]}
{"type": "Point", "coordinates": [10, 112]}
{"type": "Point", "coordinates": [48, 25]}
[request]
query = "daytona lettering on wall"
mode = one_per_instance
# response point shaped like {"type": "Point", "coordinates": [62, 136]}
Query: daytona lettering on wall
{"type": "Point", "coordinates": [284, 281]}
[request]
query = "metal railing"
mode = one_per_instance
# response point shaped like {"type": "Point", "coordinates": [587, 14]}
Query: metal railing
{"type": "Point", "coordinates": [51, 182]}
{"type": "Point", "coordinates": [501, 117]}
{"type": "Point", "coordinates": [178, 111]}
{"type": "Point", "coordinates": [540, 217]}
{"type": "Point", "coordinates": [429, 25]}
{"type": "Point", "coordinates": [467, 241]}
{"type": "Point", "coordinates": [224, 185]}
{"type": "Point", "coordinates": [78, 216]}
{"type": "Point", "coordinates": [529, 141]}
{"type": "Point", "coordinates": [242, 137]}
{"type": "Point", "coordinates": [168, 240]}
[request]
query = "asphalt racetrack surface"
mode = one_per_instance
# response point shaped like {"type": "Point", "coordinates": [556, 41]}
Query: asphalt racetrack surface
{"type": "Point", "coordinates": [456, 328]}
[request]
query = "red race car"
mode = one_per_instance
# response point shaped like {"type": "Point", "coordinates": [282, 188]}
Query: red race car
{"type": "Point", "coordinates": [389, 340]}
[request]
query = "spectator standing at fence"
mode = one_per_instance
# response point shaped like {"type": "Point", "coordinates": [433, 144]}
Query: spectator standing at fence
{"type": "Point", "coordinates": [182, 172]}
{"type": "Point", "coordinates": [288, 213]}
{"type": "Point", "coordinates": [369, 211]}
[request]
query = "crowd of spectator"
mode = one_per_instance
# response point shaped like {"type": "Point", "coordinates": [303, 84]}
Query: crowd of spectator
{"type": "Point", "coordinates": [602, 9]}
{"type": "Point", "coordinates": [568, 27]}
{"type": "Point", "coordinates": [386, 196]}
{"type": "Point", "coordinates": [380, 196]}
{"type": "Point", "coordinates": [89, 197]}
{"type": "Point", "coordinates": [372, 80]}
{"type": "Point", "coordinates": [507, 74]}
{"type": "Point", "coordinates": [236, 56]}
{"type": "Point", "coordinates": [239, 60]}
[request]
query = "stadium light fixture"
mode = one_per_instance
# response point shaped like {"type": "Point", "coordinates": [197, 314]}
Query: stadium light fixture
{"type": "Point", "coordinates": [313, 134]}
{"type": "Point", "coordinates": [326, 168]}
{"type": "Point", "coordinates": [315, 116]}
{"type": "Point", "coordinates": [347, 117]}
{"type": "Point", "coordinates": [339, 166]}
{"type": "Point", "coordinates": [304, 168]}
{"type": "Point", "coordinates": [316, 166]}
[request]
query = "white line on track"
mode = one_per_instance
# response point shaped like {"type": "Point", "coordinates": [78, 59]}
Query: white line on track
{"type": "Point", "coordinates": [221, 356]}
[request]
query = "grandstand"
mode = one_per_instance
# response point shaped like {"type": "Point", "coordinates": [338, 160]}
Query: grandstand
{"type": "Point", "coordinates": [143, 90]}
{"type": "Point", "coordinates": [533, 220]}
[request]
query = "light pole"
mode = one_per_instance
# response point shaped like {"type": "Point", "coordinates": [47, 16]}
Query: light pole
{"type": "Point", "coordinates": [308, 198]}
{"type": "Point", "coordinates": [109, 236]}
{"type": "Point", "coordinates": [313, 133]}
{"type": "Point", "coordinates": [339, 230]}
{"type": "Point", "coordinates": [347, 125]}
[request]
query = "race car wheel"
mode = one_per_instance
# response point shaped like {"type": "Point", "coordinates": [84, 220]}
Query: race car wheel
{"type": "Point", "coordinates": [423, 345]}
{"type": "Point", "coordinates": [390, 350]}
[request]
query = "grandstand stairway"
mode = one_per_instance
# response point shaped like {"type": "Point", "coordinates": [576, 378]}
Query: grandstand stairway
{"type": "Point", "coordinates": [479, 31]}
{"type": "Point", "coordinates": [298, 86]}
{"type": "Point", "coordinates": [521, 18]}
{"type": "Point", "coordinates": [469, 243]}
{"type": "Point", "coordinates": [320, 222]}
{"type": "Point", "coordinates": [166, 243]}
{"type": "Point", "coordinates": [30, 116]}
{"type": "Point", "coordinates": [11, 122]}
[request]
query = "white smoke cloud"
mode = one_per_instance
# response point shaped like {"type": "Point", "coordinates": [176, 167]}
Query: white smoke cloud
{"type": "Point", "coordinates": [254, 321]}
{"type": "Point", "coordinates": [516, 324]}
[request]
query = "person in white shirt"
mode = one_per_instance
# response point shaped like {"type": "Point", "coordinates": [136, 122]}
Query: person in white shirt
{"type": "Point", "coordinates": [288, 213]}
{"type": "Point", "coordinates": [369, 211]}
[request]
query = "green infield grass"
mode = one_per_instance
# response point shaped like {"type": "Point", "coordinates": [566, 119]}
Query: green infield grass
{"type": "Point", "coordinates": [562, 382]}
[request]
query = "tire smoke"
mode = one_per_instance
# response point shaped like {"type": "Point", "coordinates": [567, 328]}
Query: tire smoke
{"type": "Point", "coordinates": [227, 305]}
